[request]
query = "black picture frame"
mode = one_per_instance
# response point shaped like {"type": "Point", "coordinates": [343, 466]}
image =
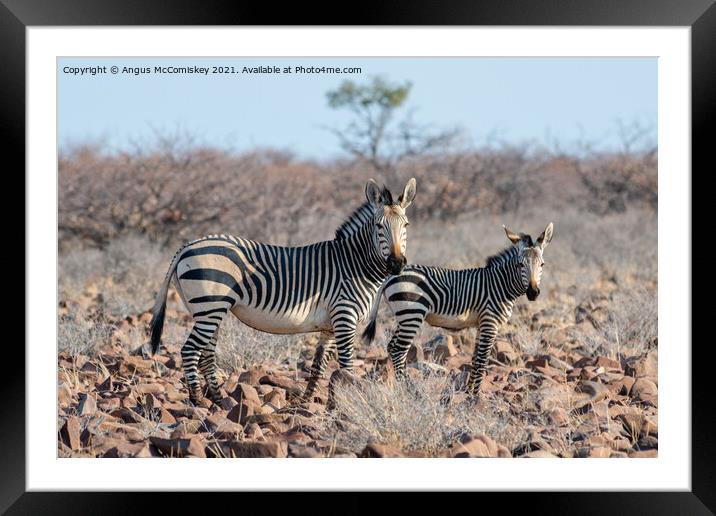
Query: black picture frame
{"type": "Point", "coordinates": [700, 15]}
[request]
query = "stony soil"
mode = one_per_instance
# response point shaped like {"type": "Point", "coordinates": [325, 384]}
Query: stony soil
{"type": "Point", "coordinates": [555, 400]}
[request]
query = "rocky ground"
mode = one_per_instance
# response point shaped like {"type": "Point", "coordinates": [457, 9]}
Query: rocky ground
{"type": "Point", "coordinates": [546, 394]}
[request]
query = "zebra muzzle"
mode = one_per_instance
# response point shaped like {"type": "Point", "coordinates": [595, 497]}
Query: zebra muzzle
{"type": "Point", "coordinates": [532, 292]}
{"type": "Point", "coordinates": [395, 265]}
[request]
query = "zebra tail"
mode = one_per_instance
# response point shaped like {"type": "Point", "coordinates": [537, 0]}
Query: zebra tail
{"type": "Point", "coordinates": [159, 311]}
{"type": "Point", "coordinates": [369, 332]}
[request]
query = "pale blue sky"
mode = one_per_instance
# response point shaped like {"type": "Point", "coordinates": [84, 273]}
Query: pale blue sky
{"type": "Point", "coordinates": [518, 99]}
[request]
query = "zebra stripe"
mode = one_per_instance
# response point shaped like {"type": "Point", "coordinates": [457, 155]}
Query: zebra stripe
{"type": "Point", "coordinates": [458, 299]}
{"type": "Point", "coordinates": [326, 287]}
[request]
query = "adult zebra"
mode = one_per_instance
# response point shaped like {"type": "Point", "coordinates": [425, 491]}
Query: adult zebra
{"type": "Point", "coordinates": [327, 287]}
{"type": "Point", "coordinates": [457, 299]}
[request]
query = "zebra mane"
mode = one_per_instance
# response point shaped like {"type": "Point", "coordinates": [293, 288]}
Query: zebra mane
{"type": "Point", "coordinates": [357, 220]}
{"type": "Point", "coordinates": [496, 260]}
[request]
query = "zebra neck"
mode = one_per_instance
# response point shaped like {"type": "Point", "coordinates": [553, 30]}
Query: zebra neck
{"type": "Point", "coordinates": [507, 277]}
{"type": "Point", "coordinates": [359, 257]}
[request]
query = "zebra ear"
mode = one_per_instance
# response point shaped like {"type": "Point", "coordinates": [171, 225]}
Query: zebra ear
{"type": "Point", "coordinates": [546, 236]}
{"type": "Point", "coordinates": [373, 193]}
{"type": "Point", "coordinates": [408, 194]}
{"type": "Point", "coordinates": [514, 237]}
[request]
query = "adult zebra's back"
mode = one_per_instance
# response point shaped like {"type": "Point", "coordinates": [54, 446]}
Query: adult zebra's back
{"type": "Point", "coordinates": [326, 287]}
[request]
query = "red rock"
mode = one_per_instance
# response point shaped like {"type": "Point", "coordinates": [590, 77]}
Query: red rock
{"type": "Point", "coordinates": [374, 450]}
{"type": "Point", "coordinates": [134, 364]}
{"type": "Point", "coordinates": [106, 385]}
{"type": "Point", "coordinates": [227, 403]}
{"type": "Point", "coordinates": [620, 444]}
{"type": "Point", "coordinates": [599, 452]}
{"type": "Point", "coordinates": [264, 389]}
{"type": "Point", "coordinates": [231, 383]}
{"type": "Point", "coordinates": [178, 410]}
{"type": "Point", "coordinates": [186, 428]}
{"type": "Point", "coordinates": [650, 426]}
{"type": "Point", "coordinates": [87, 405]}
{"type": "Point", "coordinates": [632, 424]}
{"type": "Point", "coordinates": [241, 412]}
{"type": "Point", "coordinates": [644, 454]}
{"type": "Point", "coordinates": [607, 363]}
{"type": "Point", "coordinates": [643, 366]}
{"type": "Point", "coordinates": [124, 449]}
{"type": "Point", "coordinates": [100, 444]}
{"type": "Point", "coordinates": [303, 452]}
{"type": "Point", "coordinates": [273, 417]}
{"type": "Point", "coordinates": [64, 396]}
{"type": "Point", "coordinates": [109, 404]}
{"type": "Point", "coordinates": [253, 432]}
{"type": "Point", "coordinates": [415, 354]}
{"type": "Point", "coordinates": [127, 415]}
{"type": "Point", "coordinates": [179, 447]}
{"type": "Point", "coordinates": [539, 454]}
{"type": "Point", "coordinates": [222, 427]}
{"type": "Point", "coordinates": [127, 431]}
{"type": "Point", "coordinates": [643, 386]}
{"type": "Point", "coordinates": [246, 392]}
{"type": "Point", "coordinates": [622, 385]}
{"type": "Point", "coordinates": [538, 362]}
{"type": "Point", "coordinates": [70, 433]}
{"type": "Point", "coordinates": [251, 376]}
{"type": "Point", "coordinates": [505, 353]}
{"type": "Point", "coordinates": [595, 390]}
{"type": "Point", "coordinates": [276, 399]}
{"type": "Point", "coordinates": [575, 374]}
{"type": "Point", "coordinates": [470, 448]}
{"type": "Point", "coordinates": [268, 449]}
{"type": "Point", "coordinates": [149, 388]}
{"type": "Point", "coordinates": [284, 382]}
{"type": "Point", "coordinates": [558, 416]}
{"type": "Point", "coordinates": [647, 442]}
{"type": "Point", "coordinates": [459, 361]}
{"type": "Point", "coordinates": [651, 400]}
{"type": "Point", "coordinates": [166, 417]}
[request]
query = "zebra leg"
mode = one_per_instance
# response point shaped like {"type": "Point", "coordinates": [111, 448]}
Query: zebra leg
{"type": "Point", "coordinates": [207, 367]}
{"type": "Point", "coordinates": [325, 349]}
{"type": "Point", "coordinates": [344, 319]}
{"type": "Point", "coordinates": [483, 348]}
{"type": "Point", "coordinates": [345, 332]}
{"type": "Point", "coordinates": [398, 351]}
{"type": "Point", "coordinates": [401, 340]}
{"type": "Point", "coordinates": [199, 340]}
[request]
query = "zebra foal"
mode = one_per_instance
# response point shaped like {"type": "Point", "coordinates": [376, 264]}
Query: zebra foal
{"type": "Point", "coordinates": [458, 299]}
{"type": "Point", "coordinates": [325, 287]}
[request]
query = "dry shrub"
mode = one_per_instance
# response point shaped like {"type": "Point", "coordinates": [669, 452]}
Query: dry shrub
{"type": "Point", "coordinates": [428, 414]}
{"type": "Point", "coordinates": [80, 335]}
{"type": "Point", "coordinates": [616, 182]}
{"type": "Point", "coordinates": [240, 347]}
{"type": "Point", "coordinates": [630, 326]}
{"type": "Point", "coordinates": [174, 193]}
{"type": "Point", "coordinates": [118, 274]}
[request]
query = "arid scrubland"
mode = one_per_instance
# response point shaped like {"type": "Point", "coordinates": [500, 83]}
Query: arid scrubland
{"type": "Point", "coordinates": [573, 374]}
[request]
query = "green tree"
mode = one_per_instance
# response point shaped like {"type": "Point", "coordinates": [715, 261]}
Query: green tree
{"type": "Point", "coordinates": [374, 135]}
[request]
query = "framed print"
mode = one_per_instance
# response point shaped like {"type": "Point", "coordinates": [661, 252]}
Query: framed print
{"type": "Point", "coordinates": [434, 234]}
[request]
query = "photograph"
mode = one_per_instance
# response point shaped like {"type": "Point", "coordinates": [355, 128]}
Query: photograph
{"type": "Point", "coordinates": [359, 257]}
